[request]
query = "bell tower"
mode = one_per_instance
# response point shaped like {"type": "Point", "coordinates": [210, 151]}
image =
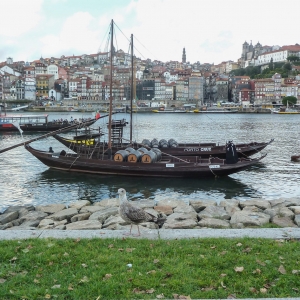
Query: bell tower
{"type": "Point", "coordinates": [183, 56]}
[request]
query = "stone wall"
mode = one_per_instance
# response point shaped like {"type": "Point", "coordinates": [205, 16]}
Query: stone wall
{"type": "Point", "coordinates": [196, 214]}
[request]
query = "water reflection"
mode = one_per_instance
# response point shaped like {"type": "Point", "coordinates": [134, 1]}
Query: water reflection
{"type": "Point", "coordinates": [95, 188]}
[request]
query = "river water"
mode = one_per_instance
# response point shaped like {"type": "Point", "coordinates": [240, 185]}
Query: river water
{"type": "Point", "coordinates": [25, 180]}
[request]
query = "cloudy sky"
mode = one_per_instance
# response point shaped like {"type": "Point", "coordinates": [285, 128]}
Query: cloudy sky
{"type": "Point", "coordinates": [211, 31]}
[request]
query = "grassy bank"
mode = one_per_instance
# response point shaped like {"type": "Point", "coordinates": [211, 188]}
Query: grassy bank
{"type": "Point", "coordinates": [100, 269]}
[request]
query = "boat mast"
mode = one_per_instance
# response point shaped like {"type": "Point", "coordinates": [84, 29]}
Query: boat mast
{"type": "Point", "coordinates": [132, 94]}
{"type": "Point", "coordinates": [110, 88]}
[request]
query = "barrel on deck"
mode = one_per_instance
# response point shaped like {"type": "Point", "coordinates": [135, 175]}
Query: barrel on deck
{"type": "Point", "coordinates": [149, 157]}
{"type": "Point", "coordinates": [154, 143]}
{"type": "Point", "coordinates": [158, 153]}
{"type": "Point", "coordinates": [121, 155]}
{"type": "Point", "coordinates": [134, 156]}
{"type": "Point", "coordinates": [130, 149]}
{"type": "Point", "coordinates": [163, 143]}
{"type": "Point", "coordinates": [143, 150]}
{"type": "Point", "coordinates": [172, 143]}
{"type": "Point", "coordinates": [146, 142]}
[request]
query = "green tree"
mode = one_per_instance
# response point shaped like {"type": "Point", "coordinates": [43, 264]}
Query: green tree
{"type": "Point", "coordinates": [271, 65]}
{"type": "Point", "coordinates": [289, 99]}
{"type": "Point", "coordinates": [293, 58]}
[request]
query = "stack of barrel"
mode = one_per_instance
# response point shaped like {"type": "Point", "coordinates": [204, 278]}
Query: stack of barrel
{"type": "Point", "coordinates": [140, 155]}
{"type": "Point", "coordinates": [171, 143]}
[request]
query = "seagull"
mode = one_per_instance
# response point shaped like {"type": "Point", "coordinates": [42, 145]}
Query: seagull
{"type": "Point", "coordinates": [134, 214]}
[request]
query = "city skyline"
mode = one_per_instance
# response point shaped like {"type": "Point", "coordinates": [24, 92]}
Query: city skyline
{"type": "Point", "coordinates": [211, 32]}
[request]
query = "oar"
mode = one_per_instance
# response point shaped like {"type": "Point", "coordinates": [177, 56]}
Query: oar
{"type": "Point", "coordinates": [80, 125]}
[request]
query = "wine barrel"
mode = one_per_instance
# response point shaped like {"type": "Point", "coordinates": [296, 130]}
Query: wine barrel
{"type": "Point", "coordinates": [163, 143]}
{"type": "Point", "coordinates": [172, 143]}
{"type": "Point", "coordinates": [130, 149]}
{"type": "Point", "coordinates": [134, 156]}
{"type": "Point", "coordinates": [121, 155]}
{"type": "Point", "coordinates": [146, 142]}
{"type": "Point", "coordinates": [143, 150]}
{"type": "Point", "coordinates": [149, 157]}
{"type": "Point", "coordinates": [158, 153]}
{"type": "Point", "coordinates": [154, 143]}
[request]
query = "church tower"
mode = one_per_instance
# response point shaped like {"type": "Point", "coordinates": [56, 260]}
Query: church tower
{"type": "Point", "coordinates": [183, 56]}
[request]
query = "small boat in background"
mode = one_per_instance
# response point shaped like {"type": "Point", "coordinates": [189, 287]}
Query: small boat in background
{"type": "Point", "coordinates": [295, 158]}
{"type": "Point", "coordinates": [35, 123]}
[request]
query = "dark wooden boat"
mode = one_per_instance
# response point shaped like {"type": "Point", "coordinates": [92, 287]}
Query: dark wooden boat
{"type": "Point", "coordinates": [94, 146]}
{"type": "Point", "coordinates": [166, 166]}
{"type": "Point", "coordinates": [295, 158]}
{"type": "Point", "coordinates": [35, 123]}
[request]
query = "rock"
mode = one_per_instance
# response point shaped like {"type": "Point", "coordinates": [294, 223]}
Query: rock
{"type": "Point", "coordinates": [79, 204]}
{"type": "Point", "coordinates": [169, 202]}
{"type": "Point", "coordinates": [283, 221]}
{"type": "Point", "coordinates": [91, 209]}
{"type": "Point", "coordinates": [249, 218]}
{"type": "Point", "coordinates": [8, 217]}
{"type": "Point", "coordinates": [84, 225]}
{"type": "Point", "coordinates": [214, 223]}
{"type": "Point", "coordinates": [64, 214]}
{"type": "Point", "coordinates": [215, 212]}
{"type": "Point", "coordinates": [262, 204]}
{"type": "Point", "coordinates": [272, 211]}
{"type": "Point", "coordinates": [114, 222]}
{"type": "Point", "coordinates": [108, 202]}
{"type": "Point", "coordinates": [45, 222]}
{"type": "Point", "coordinates": [60, 227]}
{"type": "Point", "coordinates": [295, 209]}
{"type": "Point", "coordinates": [33, 216]}
{"type": "Point", "coordinates": [297, 220]}
{"type": "Point", "coordinates": [278, 203]}
{"type": "Point", "coordinates": [145, 203]}
{"type": "Point", "coordinates": [199, 205]}
{"type": "Point", "coordinates": [179, 220]}
{"type": "Point", "coordinates": [51, 208]}
{"type": "Point", "coordinates": [28, 207]}
{"type": "Point", "coordinates": [104, 213]}
{"type": "Point", "coordinates": [286, 212]}
{"type": "Point", "coordinates": [252, 208]}
{"type": "Point", "coordinates": [165, 209]}
{"type": "Point", "coordinates": [29, 224]}
{"type": "Point", "coordinates": [80, 217]}
{"type": "Point", "coordinates": [186, 209]}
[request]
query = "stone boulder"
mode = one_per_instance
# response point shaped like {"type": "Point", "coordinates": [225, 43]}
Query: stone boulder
{"type": "Point", "coordinates": [216, 212]}
{"type": "Point", "coordinates": [180, 221]}
{"type": "Point", "coordinates": [51, 208]}
{"type": "Point", "coordinates": [79, 204]}
{"type": "Point", "coordinates": [108, 202]}
{"type": "Point", "coordinates": [262, 204]}
{"type": "Point", "coordinates": [84, 225]}
{"type": "Point", "coordinates": [8, 217]}
{"type": "Point", "coordinates": [248, 218]}
{"type": "Point", "coordinates": [199, 205]}
{"type": "Point", "coordinates": [104, 213]}
{"type": "Point", "coordinates": [214, 223]}
{"type": "Point", "coordinates": [283, 221]}
{"type": "Point", "coordinates": [64, 214]}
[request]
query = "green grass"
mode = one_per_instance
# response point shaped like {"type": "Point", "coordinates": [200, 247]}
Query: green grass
{"type": "Point", "coordinates": [199, 268]}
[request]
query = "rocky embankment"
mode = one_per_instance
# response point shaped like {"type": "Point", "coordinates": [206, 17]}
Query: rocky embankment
{"type": "Point", "coordinates": [196, 214]}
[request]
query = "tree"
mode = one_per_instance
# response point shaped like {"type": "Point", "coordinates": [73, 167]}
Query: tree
{"type": "Point", "coordinates": [289, 99]}
{"type": "Point", "coordinates": [293, 58]}
{"type": "Point", "coordinates": [271, 65]}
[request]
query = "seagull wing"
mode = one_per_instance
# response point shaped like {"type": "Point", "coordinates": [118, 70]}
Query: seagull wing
{"type": "Point", "coordinates": [136, 214]}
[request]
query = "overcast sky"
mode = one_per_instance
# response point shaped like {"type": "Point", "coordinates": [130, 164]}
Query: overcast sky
{"type": "Point", "coordinates": [211, 31]}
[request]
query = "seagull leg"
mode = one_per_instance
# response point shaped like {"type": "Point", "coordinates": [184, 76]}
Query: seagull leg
{"type": "Point", "coordinates": [128, 233]}
{"type": "Point", "coordinates": [138, 231]}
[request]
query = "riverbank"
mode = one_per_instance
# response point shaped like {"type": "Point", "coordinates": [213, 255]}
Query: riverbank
{"type": "Point", "coordinates": [196, 214]}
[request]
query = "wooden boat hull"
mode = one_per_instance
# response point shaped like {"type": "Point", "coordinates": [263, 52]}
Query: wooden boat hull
{"type": "Point", "coordinates": [167, 167]}
{"type": "Point", "coordinates": [295, 158]}
{"type": "Point", "coordinates": [202, 149]}
{"type": "Point", "coordinates": [45, 127]}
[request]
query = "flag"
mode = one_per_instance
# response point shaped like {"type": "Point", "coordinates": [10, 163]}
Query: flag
{"type": "Point", "coordinates": [16, 124]}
